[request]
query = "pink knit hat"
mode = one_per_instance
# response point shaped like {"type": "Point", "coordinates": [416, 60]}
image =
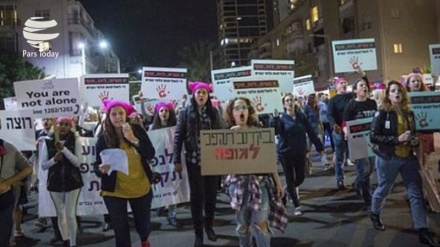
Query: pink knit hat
{"type": "Point", "coordinates": [109, 104]}
{"type": "Point", "coordinates": [339, 80]}
{"type": "Point", "coordinates": [65, 119]}
{"type": "Point", "coordinates": [194, 86]}
{"type": "Point", "coordinates": [168, 105]}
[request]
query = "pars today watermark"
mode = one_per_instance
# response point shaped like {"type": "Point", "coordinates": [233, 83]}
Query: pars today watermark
{"type": "Point", "coordinates": [32, 32]}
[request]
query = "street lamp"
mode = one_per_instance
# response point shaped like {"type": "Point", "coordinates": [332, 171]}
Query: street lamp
{"type": "Point", "coordinates": [103, 45]}
{"type": "Point", "coordinates": [329, 50]}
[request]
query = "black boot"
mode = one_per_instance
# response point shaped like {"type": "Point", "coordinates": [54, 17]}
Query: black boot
{"type": "Point", "coordinates": [199, 241]}
{"type": "Point", "coordinates": [377, 222]}
{"type": "Point", "coordinates": [211, 234]}
{"type": "Point", "coordinates": [425, 237]}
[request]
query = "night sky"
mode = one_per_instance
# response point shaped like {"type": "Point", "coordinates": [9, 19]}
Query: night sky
{"type": "Point", "coordinates": [152, 32]}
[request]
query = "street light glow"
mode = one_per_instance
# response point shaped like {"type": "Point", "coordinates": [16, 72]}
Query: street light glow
{"type": "Point", "coordinates": [103, 44]}
{"type": "Point", "coordinates": [81, 45]}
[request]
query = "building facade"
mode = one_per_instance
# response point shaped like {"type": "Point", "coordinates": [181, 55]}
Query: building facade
{"type": "Point", "coordinates": [402, 30]}
{"type": "Point", "coordinates": [61, 56]}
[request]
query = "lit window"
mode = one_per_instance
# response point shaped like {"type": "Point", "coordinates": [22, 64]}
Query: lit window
{"type": "Point", "coordinates": [398, 48]}
{"type": "Point", "coordinates": [314, 14]}
{"type": "Point", "coordinates": [308, 24]}
{"type": "Point", "coordinates": [278, 42]}
{"type": "Point", "coordinates": [45, 13]}
{"type": "Point", "coordinates": [44, 46]}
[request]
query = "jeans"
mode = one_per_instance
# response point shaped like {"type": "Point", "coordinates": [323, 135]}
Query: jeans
{"type": "Point", "coordinates": [387, 171]}
{"type": "Point", "coordinates": [341, 152]}
{"type": "Point", "coordinates": [248, 220]}
{"type": "Point", "coordinates": [364, 168]}
{"type": "Point", "coordinates": [117, 209]}
{"type": "Point", "coordinates": [203, 197]}
{"type": "Point", "coordinates": [294, 170]}
{"type": "Point", "coordinates": [6, 225]}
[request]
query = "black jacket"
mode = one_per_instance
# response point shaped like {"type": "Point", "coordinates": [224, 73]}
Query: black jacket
{"type": "Point", "coordinates": [145, 150]}
{"type": "Point", "coordinates": [387, 138]}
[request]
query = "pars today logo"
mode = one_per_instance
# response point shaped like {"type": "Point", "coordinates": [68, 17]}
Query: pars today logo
{"type": "Point", "coordinates": [33, 32]}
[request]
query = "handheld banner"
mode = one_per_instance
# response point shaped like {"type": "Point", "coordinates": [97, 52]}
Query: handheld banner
{"type": "Point", "coordinates": [434, 54]}
{"type": "Point", "coordinates": [163, 83]}
{"type": "Point", "coordinates": [221, 81]}
{"type": "Point", "coordinates": [361, 51]}
{"type": "Point", "coordinates": [281, 70]}
{"type": "Point", "coordinates": [18, 127]}
{"type": "Point", "coordinates": [49, 98]}
{"type": "Point", "coordinates": [303, 86]}
{"type": "Point", "coordinates": [426, 106]}
{"type": "Point", "coordinates": [250, 151]}
{"type": "Point", "coordinates": [358, 137]}
{"type": "Point", "coordinates": [10, 103]}
{"type": "Point", "coordinates": [264, 93]}
{"type": "Point", "coordinates": [97, 87]}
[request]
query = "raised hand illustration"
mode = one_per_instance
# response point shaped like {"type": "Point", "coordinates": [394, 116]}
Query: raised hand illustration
{"type": "Point", "coordinates": [300, 91]}
{"type": "Point", "coordinates": [421, 117]}
{"type": "Point", "coordinates": [259, 105]}
{"type": "Point", "coordinates": [104, 95]}
{"type": "Point", "coordinates": [161, 90]}
{"type": "Point", "coordinates": [354, 61]}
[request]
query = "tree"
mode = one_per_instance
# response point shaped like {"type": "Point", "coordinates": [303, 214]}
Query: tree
{"type": "Point", "coordinates": [14, 68]}
{"type": "Point", "coordinates": [304, 63]}
{"type": "Point", "coordinates": [196, 58]}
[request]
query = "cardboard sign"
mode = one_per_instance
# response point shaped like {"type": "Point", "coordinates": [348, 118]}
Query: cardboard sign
{"type": "Point", "coordinates": [250, 151]}
{"type": "Point", "coordinates": [281, 70]}
{"type": "Point", "coordinates": [264, 93]}
{"type": "Point", "coordinates": [363, 51]}
{"type": "Point", "coordinates": [17, 127]}
{"type": "Point", "coordinates": [49, 98]}
{"type": "Point", "coordinates": [358, 137]}
{"type": "Point", "coordinates": [303, 86]}
{"type": "Point", "coordinates": [174, 187]}
{"type": "Point", "coordinates": [163, 83]}
{"type": "Point", "coordinates": [434, 54]}
{"type": "Point", "coordinates": [96, 87]}
{"type": "Point", "coordinates": [223, 85]}
{"type": "Point", "coordinates": [426, 108]}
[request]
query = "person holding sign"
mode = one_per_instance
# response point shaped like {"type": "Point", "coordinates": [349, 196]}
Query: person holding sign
{"type": "Point", "coordinates": [59, 155]}
{"type": "Point", "coordinates": [252, 216]}
{"type": "Point", "coordinates": [358, 108]}
{"type": "Point", "coordinates": [118, 188]}
{"type": "Point", "coordinates": [199, 115]}
{"type": "Point", "coordinates": [393, 131]}
{"type": "Point", "coordinates": [164, 117]}
{"type": "Point", "coordinates": [291, 128]}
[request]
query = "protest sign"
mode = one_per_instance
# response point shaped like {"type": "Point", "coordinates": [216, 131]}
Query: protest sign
{"type": "Point", "coordinates": [362, 51]}
{"type": "Point", "coordinates": [49, 98]}
{"type": "Point", "coordinates": [426, 106]}
{"type": "Point", "coordinates": [250, 151]}
{"type": "Point", "coordinates": [281, 70]}
{"type": "Point", "coordinates": [358, 137]}
{"type": "Point", "coordinates": [223, 85]}
{"type": "Point", "coordinates": [174, 186]}
{"type": "Point", "coordinates": [10, 103]}
{"type": "Point", "coordinates": [97, 87]}
{"type": "Point", "coordinates": [264, 93]}
{"type": "Point", "coordinates": [303, 86]}
{"type": "Point", "coordinates": [163, 83]}
{"type": "Point", "coordinates": [18, 127]}
{"type": "Point", "coordinates": [434, 54]}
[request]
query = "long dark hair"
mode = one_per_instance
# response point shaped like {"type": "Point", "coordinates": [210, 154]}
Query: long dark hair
{"type": "Point", "coordinates": [210, 110]}
{"type": "Point", "coordinates": [109, 132]}
{"type": "Point", "coordinates": [172, 121]}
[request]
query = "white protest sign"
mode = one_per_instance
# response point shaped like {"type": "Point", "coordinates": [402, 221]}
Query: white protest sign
{"type": "Point", "coordinates": [49, 98]}
{"type": "Point", "coordinates": [96, 87]}
{"type": "Point", "coordinates": [427, 79]}
{"type": "Point", "coordinates": [303, 86]}
{"type": "Point", "coordinates": [282, 70]}
{"type": "Point", "coordinates": [149, 104]}
{"type": "Point", "coordinates": [18, 128]}
{"type": "Point", "coordinates": [222, 83]}
{"type": "Point", "coordinates": [10, 103]}
{"type": "Point", "coordinates": [163, 83]}
{"type": "Point", "coordinates": [358, 137]}
{"type": "Point", "coordinates": [434, 53]}
{"type": "Point", "coordinates": [263, 92]}
{"type": "Point", "coordinates": [174, 187]}
{"type": "Point", "coordinates": [426, 107]}
{"type": "Point", "coordinates": [362, 51]}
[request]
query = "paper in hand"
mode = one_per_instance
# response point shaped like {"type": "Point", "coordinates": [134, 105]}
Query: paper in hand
{"type": "Point", "coordinates": [116, 158]}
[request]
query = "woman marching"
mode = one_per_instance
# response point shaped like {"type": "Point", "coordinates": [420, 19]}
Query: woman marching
{"type": "Point", "coordinates": [118, 188]}
{"type": "Point", "coordinates": [393, 131]}
{"type": "Point", "coordinates": [64, 180]}
{"type": "Point", "coordinates": [252, 216]}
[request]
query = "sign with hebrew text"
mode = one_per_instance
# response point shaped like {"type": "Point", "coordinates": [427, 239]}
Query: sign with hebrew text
{"type": "Point", "coordinates": [17, 127]}
{"type": "Point", "coordinates": [358, 137]}
{"type": "Point", "coordinates": [426, 106]}
{"type": "Point", "coordinates": [250, 151]}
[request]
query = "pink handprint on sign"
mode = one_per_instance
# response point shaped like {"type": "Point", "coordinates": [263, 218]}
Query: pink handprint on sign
{"type": "Point", "coordinates": [161, 90]}
{"type": "Point", "coordinates": [300, 91]}
{"type": "Point", "coordinates": [104, 95]}
{"type": "Point", "coordinates": [259, 105]}
{"type": "Point", "coordinates": [354, 61]}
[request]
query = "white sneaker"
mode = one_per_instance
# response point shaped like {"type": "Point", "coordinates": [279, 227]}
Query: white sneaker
{"type": "Point", "coordinates": [297, 211]}
{"type": "Point", "coordinates": [349, 163]}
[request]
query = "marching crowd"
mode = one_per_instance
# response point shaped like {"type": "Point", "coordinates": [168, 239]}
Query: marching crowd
{"type": "Point", "coordinates": [256, 198]}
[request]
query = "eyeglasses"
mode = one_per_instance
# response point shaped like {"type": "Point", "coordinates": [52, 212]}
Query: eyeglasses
{"type": "Point", "coordinates": [241, 107]}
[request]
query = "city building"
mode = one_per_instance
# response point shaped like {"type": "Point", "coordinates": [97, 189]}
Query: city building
{"type": "Point", "coordinates": [241, 23]}
{"type": "Point", "coordinates": [402, 30]}
{"type": "Point", "coordinates": [58, 36]}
